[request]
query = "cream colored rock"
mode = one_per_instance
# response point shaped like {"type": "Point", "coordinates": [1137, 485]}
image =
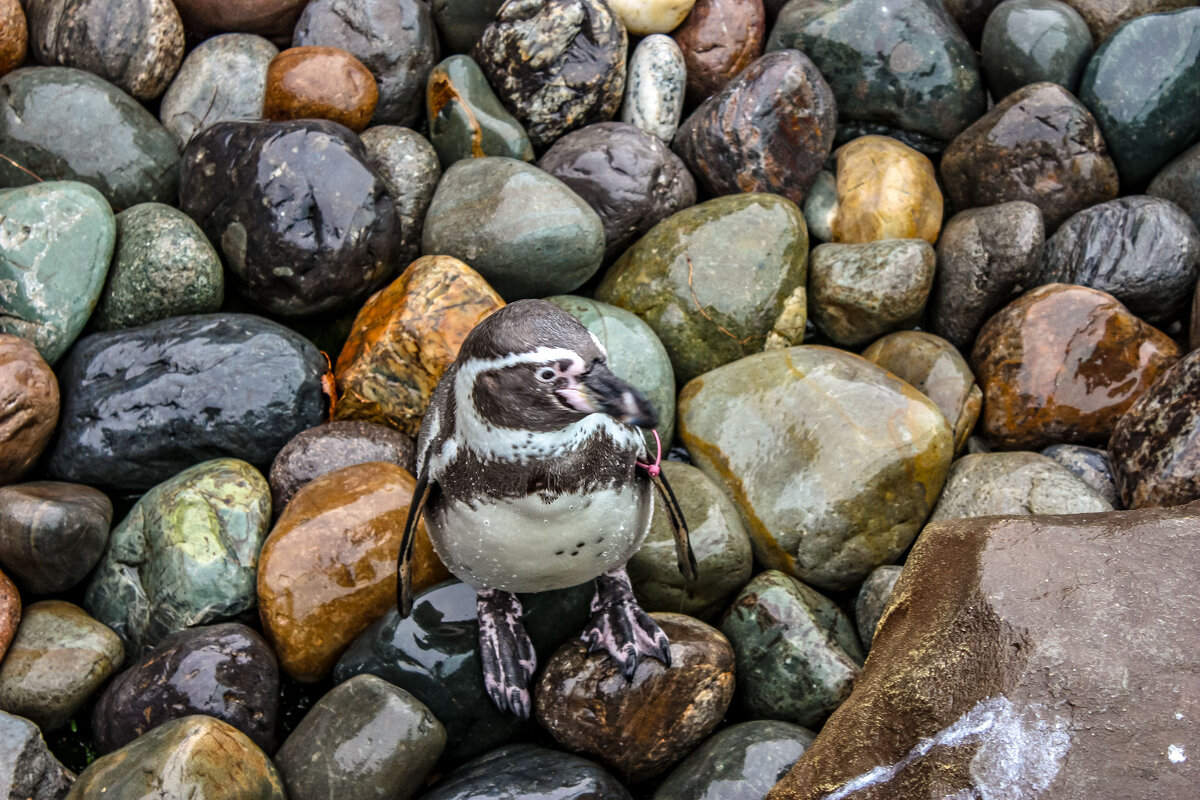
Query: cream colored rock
{"type": "Point", "coordinates": [651, 16]}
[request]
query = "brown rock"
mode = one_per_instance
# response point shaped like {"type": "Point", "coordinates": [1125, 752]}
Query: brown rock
{"type": "Point", "coordinates": [328, 569]}
{"type": "Point", "coordinates": [885, 190]}
{"type": "Point", "coordinates": [1038, 144]}
{"type": "Point", "coordinates": [719, 39]}
{"type": "Point", "coordinates": [1155, 447]}
{"type": "Point", "coordinates": [10, 613]}
{"type": "Point", "coordinates": [1027, 657]}
{"type": "Point", "coordinates": [1061, 364]}
{"type": "Point", "coordinates": [320, 83]}
{"type": "Point", "coordinates": [1105, 16]}
{"type": "Point", "coordinates": [14, 35]}
{"type": "Point", "coordinates": [28, 406]}
{"type": "Point", "coordinates": [274, 19]}
{"type": "Point", "coordinates": [404, 338]}
{"type": "Point", "coordinates": [640, 727]}
{"type": "Point", "coordinates": [1195, 342]}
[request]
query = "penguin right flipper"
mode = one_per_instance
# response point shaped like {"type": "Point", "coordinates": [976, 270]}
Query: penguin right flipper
{"type": "Point", "coordinates": [404, 594]}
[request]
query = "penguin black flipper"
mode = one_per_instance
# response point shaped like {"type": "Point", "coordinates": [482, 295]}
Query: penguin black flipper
{"type": "Point", "coordinates": [404, 594]}
{"type": "Point", "coordinates": [679, 530]}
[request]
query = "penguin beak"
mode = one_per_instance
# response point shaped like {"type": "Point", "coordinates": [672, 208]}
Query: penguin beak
{"type": "Point", "coordinates": [608, 394]}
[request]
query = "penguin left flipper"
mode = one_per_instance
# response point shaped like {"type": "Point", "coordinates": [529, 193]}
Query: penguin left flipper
{"type": "Point", "coordinates": [621, 628]}
{"type": "Point", "coordinates": [684, 556]}
{"type": "Point", "coordinates": [404, 594]}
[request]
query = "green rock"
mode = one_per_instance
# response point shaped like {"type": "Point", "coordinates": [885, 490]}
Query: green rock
{"type": "Point", "coordinates": [896, 63]}
{"type": "Point", "coordinates": [634, 354]}
{"type": "Point", "coordinates": [187, 554]}
{"type": "Point", "coordinates": [833, 463]}
{"type": "Point", "coordinates": [164, 266]}
{"type": "Point", "coordinates": [1143, 86]}
{"type": "Point", "coordinates": [719, 541]}
{"type": "Point", "coordinates": [466, 119]}
{"type": "Point", "coordinates": [66, 124]}
{"type": "Point", "coordinates": [741, 762]}
{"type": "Point", "coordinates": [1030, 41]}
{"type": "Point", "coordinates": [363, 740]}
{"type": "Point", "coordinates": [56, 240]}
{"type": "Point", "coordinates": [523, 230]}
{"type": "Point", "coordinates": [872, 598]}
{"type": "Point", "coordinates": [717, 281]}
{"type": "Point", "coordinates": [197, 757]}
{"type": "Point", "coordinates": [797, 653]}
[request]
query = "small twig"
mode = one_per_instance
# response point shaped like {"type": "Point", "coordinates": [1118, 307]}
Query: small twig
{"type": "Point", "coordinates": [703, 313]}
{"type": "Point", "coordinates": [28, 172]}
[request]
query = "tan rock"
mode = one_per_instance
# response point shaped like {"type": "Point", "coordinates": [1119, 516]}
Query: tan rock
{"type": "Point", "coordinates": [885, 190]}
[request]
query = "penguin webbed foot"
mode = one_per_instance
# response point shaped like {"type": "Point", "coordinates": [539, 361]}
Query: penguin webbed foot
{"type": "Point", "coordinates": [509, 660]}
{"type": "Point", "coordinates": [621, 628]}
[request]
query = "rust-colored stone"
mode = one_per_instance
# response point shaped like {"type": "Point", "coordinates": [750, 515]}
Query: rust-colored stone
{"type": "Point", "coordinates": [1061, 364]}
{"type": "Point", "coordinates": [328, 569]}
{"type": "Point", "coordinates": [274, 19]}
{"type": "Point", "coordinates": [885, 190]}
{"type": "Point", "coordinates": [639, 727]}
{"type": "Point", "coordinates": [719, 39]}
{"type": "Point", "coordinates": [28, 406]}
{"type": "Point", "coordinates": [405, 337]}
{"type": "Point", "coordinates": [320, 83]}
{"type": "Point", "coordinates": [14, 35]}
{"type": "Point", "coordinates": [10, 613]}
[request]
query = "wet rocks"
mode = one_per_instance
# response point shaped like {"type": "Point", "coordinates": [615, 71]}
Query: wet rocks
{"type": "Point", "coordinates": [630, 179]}
{"type": "Point", "coordinates": [52, 534]}
{"type": "Point", "coordinates": [1061, 364]}
{"type": "Point", "coordinates": [320, 83]}
{"type": "Point", "coordinates": [1038, 144]}
{"type": "Point", "coordinates": [1030, 41]}
{"type": "Point", "coordinates": [681, 279]}
{"type": "Point", "coordinates": [824, 501]}
{"type": "Point", "coordinates": [330, 447]}
{"type": "Point", "coordinates": [136, 45]}
{"type": "Point", "coordinates": [885, 190]}
{"type": "Point", "coordinates": [10, 612]}
{"type": "Point", "coordinates": [549, 243]}
{"type": "Point", "coordinates": [466, 119]}
{"type": "Point", "coordinates": [743, 760]}
{"type": "Point", "coordinates": [187, 554]}
{"type": "Point", "coordinates": [409, 167]}
{"type": "Point", "coordinates": [642, 726]}
{"type": "Point", "coordinates": [1104, 18]}
{"type": "Point", "coordinates": [364, 739]}
{"type": "Point", "coordinates": [769, 130]}
{"type": "Point", "coordinates": [461, 22]}
{"type": "Point", "coordinates": [873, 597]}
{"type": "Point", "coordinates": [27, 767]}
{"type": "Point", "coordinates": [28, 406]}
{"type": "Point", "coordinates": [304, 222]}
{"type": "Point", "coordinates": [557, 64]}
{"type": "Point", "coordinates": [528, 769]}
{"type": "Point", "coordinates": [1156, 445]}
{"type": "Point", "coordinates": [224, 671]}
{"type": "Point", "coordinates": [141, 404]}
{"type": "Point", "coordinates": [58, 239]}
{"type": "Point", "coordinates": [1179, 182]}
{"type": "Point", "coordinates": [655, 80]}
{"type": "Point", "coordinates": [719, 39]}
{"type": "Point", "coordinates": [14, 35]}
{"type": "Point", "coordinates": [987, 484]}
{"type": "Point", "coordinates": [657, 16]}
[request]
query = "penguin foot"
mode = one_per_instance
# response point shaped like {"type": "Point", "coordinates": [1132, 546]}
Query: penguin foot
{"type": "Point", "coordinates": [508, 657]}
{"type": "Point", "coordinates": [621, 628]}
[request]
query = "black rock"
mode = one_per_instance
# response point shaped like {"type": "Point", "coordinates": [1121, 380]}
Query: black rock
{"type": "Point", "coordinates": [303, 221]}
{"type": "Point", "coordinates": [141, 404]}
{"type": "Point", "coordinates": [529, 772]}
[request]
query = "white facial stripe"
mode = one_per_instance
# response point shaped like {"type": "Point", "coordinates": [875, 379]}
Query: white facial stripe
{"type": "Point", "coordinates": [600, 345]}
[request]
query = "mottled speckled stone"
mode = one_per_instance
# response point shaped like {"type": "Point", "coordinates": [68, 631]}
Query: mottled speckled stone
{"type": "Point", "coordinates": [1179, 182]}
{"type": "Point", "coordinates": [320, 83]}
{"type": "Point", "coordinates": [27, 767]}
{"type": "Point", "coordinates": [797, 653]}
{"type": "Point", "coordinates": [833, 463]}
{"type": "Point", "coordinates": [885, 190]}
{"type": "Point", "coordinates": [719, 39]}
{"type": "Point", "coordinates": [135, 44]}
{"type": "Point", "coordinates": [989, 484]}
{"type": "Point", "coordinates": [686, 279]}
{"type": "Point", "coordinates": [654, 88]}
{"type": "Point", "coordinates": [1030, 41]}
{"type": "Point", "coordinates": [363, 740]}
{"type": "Point", "coordinates": [409, 167]}
{"type": "Point", "coordinates": [1155, 446]}
{"type": "Point", "coordinates": [466, 119]}
{"type": "Point", "coordinates": [858, 292]}
{"type": "Point", "coordinates": [223, 79]}
{"type": "Point", "coordinates": [57, 241]}
{"type": "Point", "coordinates": [1091, 465]}
{"type": "Point", "coordinates": [1038, 144]}
{"type": "Point", "coordinates": [638, 727]}
{"type": "Point", "coordinates": [769, 130]}
{"type": "Point", "coordinates": [29, 405]}
{"type": "Point", "coordinates": [873, 598]}
{"type": "Point", "coordinates": [14, 35]}
{"type": "Point", "coordinates": [741, 762]}
{"type": "Point", "coordinates": [52, 534]}
{"type": "Point", "coordinates": [557, 64]}
{"type": "Point", "coordinates": [527, 770]}
{"type": "Point", "coordinates": [405, 337]}
{"type": "Point", "coordinates": [1061, 364]}
{"type": "Point", "coordinates": [163, 266]}
{"type": "Point", "coordinates": [66, 124]}
{"type": "Point", "coordinates": [186, 555]}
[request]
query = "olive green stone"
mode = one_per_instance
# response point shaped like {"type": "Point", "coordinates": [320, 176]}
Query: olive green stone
{"type": "Point", "coordinates": [56, 240]}
{"type": "Point", "coordinates": [833, 463]}
{"type": "Point", "coordinates": [719, 541]}
{"type": "Point", "coordinates": [1143, 87]}
{"type": "Point", "coordinates": [1030, 41]}
{"type": "Point", "coordinates": [717, 281]}
{"type": "Point", "coordinates": [797, 653]}
{"type": "Point", "coordinates": [164, 266]}
{"type": "Point", "coordinates": [872, 598]}
{"type": "Point", "coordinates": [66, 124]}
{"type": "Point", "coordinates": [187, 554]}
{"type": "Point", "coordinates": [466, 119]}
{"type": "Point", "coordinates": [634, 354]}
{"type": "Point", "coordinates": [741, 762]}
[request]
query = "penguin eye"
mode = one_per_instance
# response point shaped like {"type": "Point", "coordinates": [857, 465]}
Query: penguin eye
{"type": "Point", "coordinates": [546, 374]}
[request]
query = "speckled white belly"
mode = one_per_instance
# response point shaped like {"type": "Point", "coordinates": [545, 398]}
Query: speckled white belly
{"type": "Point", "coordinates": [526, 545]}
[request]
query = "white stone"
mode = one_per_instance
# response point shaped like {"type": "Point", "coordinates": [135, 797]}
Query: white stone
{"type": "Point", "coordinates": [654, 87]}
{"type": "Point", "coordinates": [651, 16]}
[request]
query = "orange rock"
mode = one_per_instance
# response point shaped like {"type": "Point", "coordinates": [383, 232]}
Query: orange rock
{"type": "Point", "coordinates": [29, 406]}
{"type": "Point", "coordinates": [885, 190]}
{"type": "Point", "coordinates": [405, 337]}
{"type": "Point", "coordinates": [14, 35]}
{"type": "Point", "coordinates": [1061, 364]}
{"type": "Point", "coordinates": [328, 569]}
{"type": "Point", "coordinates": [10, 612]}
{"type": "Point", "coordinates": [320, 83]}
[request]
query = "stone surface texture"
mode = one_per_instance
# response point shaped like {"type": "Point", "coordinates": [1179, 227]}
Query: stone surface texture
{"type": "Point", "coordinates": [29, 403]}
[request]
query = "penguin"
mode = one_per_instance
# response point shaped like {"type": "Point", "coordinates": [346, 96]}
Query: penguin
{"type": "Point", "coordinates": [532, 475]}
